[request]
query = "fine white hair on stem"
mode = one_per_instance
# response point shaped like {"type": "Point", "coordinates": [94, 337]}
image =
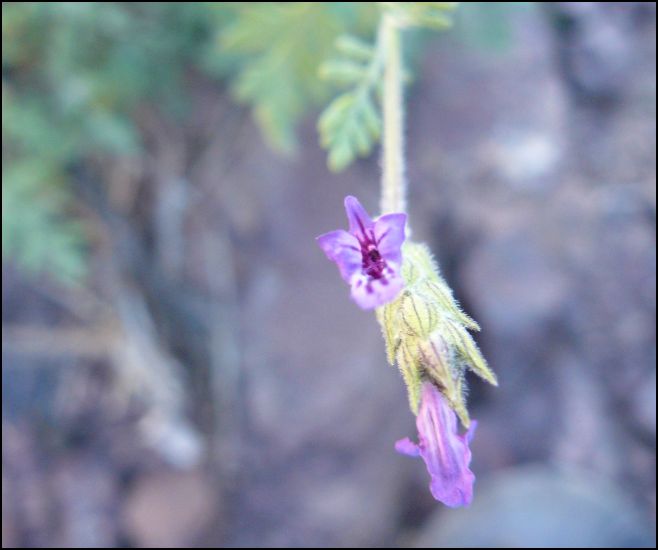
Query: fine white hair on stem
{"type": "Point", "coordinates": [393, 198]}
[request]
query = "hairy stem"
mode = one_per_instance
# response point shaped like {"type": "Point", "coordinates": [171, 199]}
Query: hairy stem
{"type": "Point", "coordinates": [393, 179]}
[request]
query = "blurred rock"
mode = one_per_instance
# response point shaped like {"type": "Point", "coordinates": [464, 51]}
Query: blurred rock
{"type": "Point", "coordinates": [87, 496]}
{"type": "Point", "coordinates": [515, 281]}
{"type": "Point", "coordinates": [169, 509]}
{"type": "Point", "coordinates": [596, 44]}
{"type": "Point", "coordinates": [644, 405]}
{"type": "Point", "coordinates": [538, 506]}
{"type": "Point", "coordinates": [9, 534]}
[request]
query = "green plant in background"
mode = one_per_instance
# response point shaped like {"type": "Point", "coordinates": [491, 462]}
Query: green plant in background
{"type": "Point", "coordinates": [73, 74]}
{"type": "Point", "coordinates": [35, 230]}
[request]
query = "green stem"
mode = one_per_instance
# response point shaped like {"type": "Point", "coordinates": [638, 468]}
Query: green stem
{"type": "Point", "coordinates": [393, 179]}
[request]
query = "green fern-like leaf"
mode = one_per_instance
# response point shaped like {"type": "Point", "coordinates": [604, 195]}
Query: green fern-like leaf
{"type": "Point", "coordinates": [36, 232]}
{"type": "Point", "coordinates": [280, 46]}
{"type": "Point", "coordinates": [351, 125]}
{"type": "Point", "coordinates": [432, 15]}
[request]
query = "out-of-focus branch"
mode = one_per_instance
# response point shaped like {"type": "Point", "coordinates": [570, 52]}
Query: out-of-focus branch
{"type": "Point", "coordinates": [89, 342]}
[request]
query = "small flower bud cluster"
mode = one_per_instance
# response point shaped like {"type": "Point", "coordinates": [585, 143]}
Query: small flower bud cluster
{"type": "Point", "coordinates": [426, 333]}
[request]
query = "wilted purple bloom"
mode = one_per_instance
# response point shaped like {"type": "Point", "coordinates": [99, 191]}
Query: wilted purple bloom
{"type": "Point", "coordinates": [368, 255]}
{"type": "Point", "coordinates": [444, 450]}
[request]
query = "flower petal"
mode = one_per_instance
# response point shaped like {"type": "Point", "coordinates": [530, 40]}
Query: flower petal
{"type": "Point", "coordinates": [359, 219]}
{"type": "Point", "coordinates": [453, 495]}
{"type": "Point", "coordinates": [374, 276]}
{"type": "Point", "coordinates": [407, 447]}
{"type": "Point", "coordinates": [342, 248]}
{"type": "Point", "coordinates": [371, 293]}
{"type": "Point", "coordinates": [444, 451]}
{"type": "Point", "coordinates": [389, 236]}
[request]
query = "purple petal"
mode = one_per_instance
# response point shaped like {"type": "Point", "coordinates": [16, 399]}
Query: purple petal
{"type": "Point", "coordinates": [372, 273]}
{"type": "Point", "coordinates": [389, 236]}
{"type": "Point", "coordinates": [371, 293]}
{"type": "Point", "coordinates": [468, 436]}
{"type": "Point", "coordinates": [407, 447]}
{"type": "Point", "coordinates": [357, 216]}
{"type": "Point", "coordinates": [444, 450]}
{"type": "Point", "coordinates": [342, 248]}
{"type": "Point", "coordinates": [453, 495]}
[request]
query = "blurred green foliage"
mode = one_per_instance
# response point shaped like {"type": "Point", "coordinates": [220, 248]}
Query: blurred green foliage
{"type": "Point", "coordinates": [74, 74]}
{"type": "Point", "coordinates": [487, 26]}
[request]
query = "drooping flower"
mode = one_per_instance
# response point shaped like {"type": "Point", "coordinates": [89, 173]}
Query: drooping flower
{"type": "Point", "coordinates": [369, 255]}
{"type": "Point", "coordinates": [444, 450]}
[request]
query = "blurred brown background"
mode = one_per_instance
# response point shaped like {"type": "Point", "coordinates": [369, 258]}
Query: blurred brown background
{"type": "Point", "coordinates": [212, 384]}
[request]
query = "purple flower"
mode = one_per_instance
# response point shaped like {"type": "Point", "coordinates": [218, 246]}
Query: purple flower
{"type": "Point", "coordinates": [444, 450]}
{"type": "Point", "coordinates": [368, 255]}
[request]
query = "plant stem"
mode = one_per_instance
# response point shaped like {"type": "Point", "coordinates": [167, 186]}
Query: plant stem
{"type": "Point", "coordinates": [393, 178]}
